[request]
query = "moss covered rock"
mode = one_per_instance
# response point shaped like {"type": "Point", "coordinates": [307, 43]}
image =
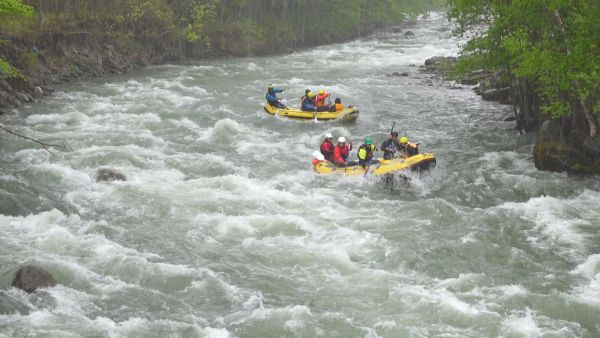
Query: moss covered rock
{"type": "Point", "coordinates": [558, 157]}
{"type": "Point", "coordinates": [572, 153]}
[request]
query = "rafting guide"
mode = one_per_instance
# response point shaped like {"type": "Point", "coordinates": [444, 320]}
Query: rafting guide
{"type": "Point", "coordinates": [272, 98]}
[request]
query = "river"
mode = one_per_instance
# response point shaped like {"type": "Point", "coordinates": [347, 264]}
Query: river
{"type": "Point", "coordinates": [223, 229]}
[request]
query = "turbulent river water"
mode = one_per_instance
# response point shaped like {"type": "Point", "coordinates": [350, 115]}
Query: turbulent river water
{"type": "Point", "coordinates": [223, 229]}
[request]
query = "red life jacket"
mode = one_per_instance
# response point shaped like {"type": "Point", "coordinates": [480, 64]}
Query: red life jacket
{"type": "Point", "coordinates": [340, 155]}
{"type": "Point", "coordinates": [321, 99]}
{"type": "Point", "coordinates": [327, 149]}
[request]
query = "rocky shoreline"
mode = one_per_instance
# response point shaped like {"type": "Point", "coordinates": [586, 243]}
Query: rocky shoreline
{"type": "Point", "coordinates": [560, 145]}
{"type": "Point", "coordinates": [70, 64]}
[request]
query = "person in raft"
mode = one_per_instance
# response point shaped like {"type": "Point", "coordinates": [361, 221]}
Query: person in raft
{"type": "Point", "coordinates": [327, 147]}
{"type": "Point", "coordinates": [408, 149]}
{"type": "Point", "coordinates": [308, 102]}
{"type": "Point", "coordinates": [390, 146]}
{"type": "Point", "coordinates": [321, 105]}
{"type": "Point", "coordinates": [341, 151]}
{"type": "Point", "coordinates": [365, 153]}
{"type": "Point", "coordinates": [272, 98]}
{"type": "Point", "coordinates": [338, 106]}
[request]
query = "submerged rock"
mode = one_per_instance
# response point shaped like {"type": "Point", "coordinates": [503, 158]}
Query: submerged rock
{"type": "Point", "coordinates": [109, 175]}
{"type": "Point", "coordinates": [397, 74]}
{"type": "Point", "coordinates": [409, 33]}
{"type": "Point", "coordinates": [30, 278]}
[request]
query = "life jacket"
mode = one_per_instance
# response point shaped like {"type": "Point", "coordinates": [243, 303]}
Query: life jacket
{"type": "Point", "coordinates": [271, 95]}
{"type": "Point", "coordinates": [340, 155]}
{"type": "Point", "coordinates": [307, 104]}
{"type": "Point", "coordinates": [339, 106]}
{"type": "Point", "coordinates": [410, 149]}
{"type": "Point", "coordinates": [321, 99]}
{"type": "Point", "coordinates": [327, 150]}
{"type": "Point", "coordinates": [388, 153]}
{"type": "Point", "coordinates": [365, 152]}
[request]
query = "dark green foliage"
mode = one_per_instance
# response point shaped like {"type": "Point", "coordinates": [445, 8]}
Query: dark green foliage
{"type": "Point", "coordinates": [159, 30]}
{"type": "Point", "coordinates": [554, 44]}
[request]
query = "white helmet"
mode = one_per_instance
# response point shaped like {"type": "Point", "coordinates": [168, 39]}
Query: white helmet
{"type": "Point", "coordinates": [317, 154]}
{"type": "Point", "coordinates": [328, 135]}
{"type": "Point", "coordinates": [341, 139]}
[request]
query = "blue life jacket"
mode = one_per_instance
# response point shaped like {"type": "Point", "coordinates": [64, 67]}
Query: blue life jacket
{"type": "Point", "coordinates": [272, 95]}
{"type": "Point", "coordinates": [308, 104]}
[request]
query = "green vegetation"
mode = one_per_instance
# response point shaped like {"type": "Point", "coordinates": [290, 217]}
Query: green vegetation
{"type": "Point", "coordinates": [51, 35]}
{"type": "Point", "coordinates": [14, 7]}
{"type": "Point", "coordinates": [549, 48]}
{"type": "Point", "coordinates": [13, 15]}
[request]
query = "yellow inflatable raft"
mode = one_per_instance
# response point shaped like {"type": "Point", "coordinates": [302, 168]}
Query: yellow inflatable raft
{"type": "Point", "coordinates": [417, 162]}
{"type": "Point", "coordinates": [347, 114]}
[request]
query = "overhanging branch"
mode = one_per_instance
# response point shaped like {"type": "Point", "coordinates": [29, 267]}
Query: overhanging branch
{"type": "Point", "coordinates": [43, 144]}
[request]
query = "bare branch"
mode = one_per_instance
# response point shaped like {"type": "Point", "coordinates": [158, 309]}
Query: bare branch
{"type": "Point", "coordinates": [43, 144]}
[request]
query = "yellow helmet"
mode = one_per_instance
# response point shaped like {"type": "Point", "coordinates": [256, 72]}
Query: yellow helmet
{"type": "Point", "coordinates": [322, 91]}
{"type": "Point", "coordinates": [403, 140]}
{"type": "Point", "coordinates": [310, 95]}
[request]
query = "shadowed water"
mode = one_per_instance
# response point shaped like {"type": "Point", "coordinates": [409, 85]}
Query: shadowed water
{"type": "Point", "coordinates": [223, 229]}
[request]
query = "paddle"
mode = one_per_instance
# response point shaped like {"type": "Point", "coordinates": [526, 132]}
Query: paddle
{"type": "Point", "coordinates": [283, 106]}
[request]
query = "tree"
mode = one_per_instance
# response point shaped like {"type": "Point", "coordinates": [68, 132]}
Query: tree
{"type": "Point", "coordinates": [552, 44]}
{"type": "Point", "coordinates": [15, 7]}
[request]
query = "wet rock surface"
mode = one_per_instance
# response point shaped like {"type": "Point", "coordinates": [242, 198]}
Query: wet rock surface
{"type": "Point", "coordinates": [109, 175]}
{"type": "Point", "coordinates": [30, 278]}
{"type": "Point", "coordinates": [571, 151]}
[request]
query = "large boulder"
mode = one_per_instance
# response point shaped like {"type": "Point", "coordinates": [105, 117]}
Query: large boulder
{"type": "Point", "coordinates": [560, 157]}
{"type": "Point", "coordinates": [501, 95]}
{"type": "Point", "coordinates": [398, 74]}
{"type": "Point", "coordinates": [592, 146]}
{"type": "Point", "coordinates": [437, 60]}
{"type": "Point", "coordinates": [439, 64]}
{"type": "Point", "coordinates": [30, 278]}
{"type": "Point", "coordinates": [557, 151]}
{"type": "Point", "coordinates": [109, 175]}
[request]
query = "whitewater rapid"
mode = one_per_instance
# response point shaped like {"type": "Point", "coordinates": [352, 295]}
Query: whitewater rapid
{"type": "Point", "coordinates": [223, 230]}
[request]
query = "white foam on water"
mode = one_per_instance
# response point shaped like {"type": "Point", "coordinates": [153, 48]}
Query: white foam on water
{"type": "Point", "coordinates": [521, 325]}
{"type": "Point", "coordinates": [32, 156]}
{"type": "Point", "coordinates": [67, 175]}
{"type": "Point", "coordinates": [589, 291]}
{"type": "Point", "coordinates": [223, 130]}
{"type": "Point", "coordinates": [73, 118]}
{"type": "Point", "coordinates": [294, 315]}
{"type": "Point", "coordinates": [469, 238]}
{"type": "Point", "coordinates": [552, 219]}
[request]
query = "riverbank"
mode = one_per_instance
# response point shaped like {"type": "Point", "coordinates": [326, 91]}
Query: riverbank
{"type": "Point", "coordinates": [561, 144]}
{"type": "Point", "coordinates": [65, 44]}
